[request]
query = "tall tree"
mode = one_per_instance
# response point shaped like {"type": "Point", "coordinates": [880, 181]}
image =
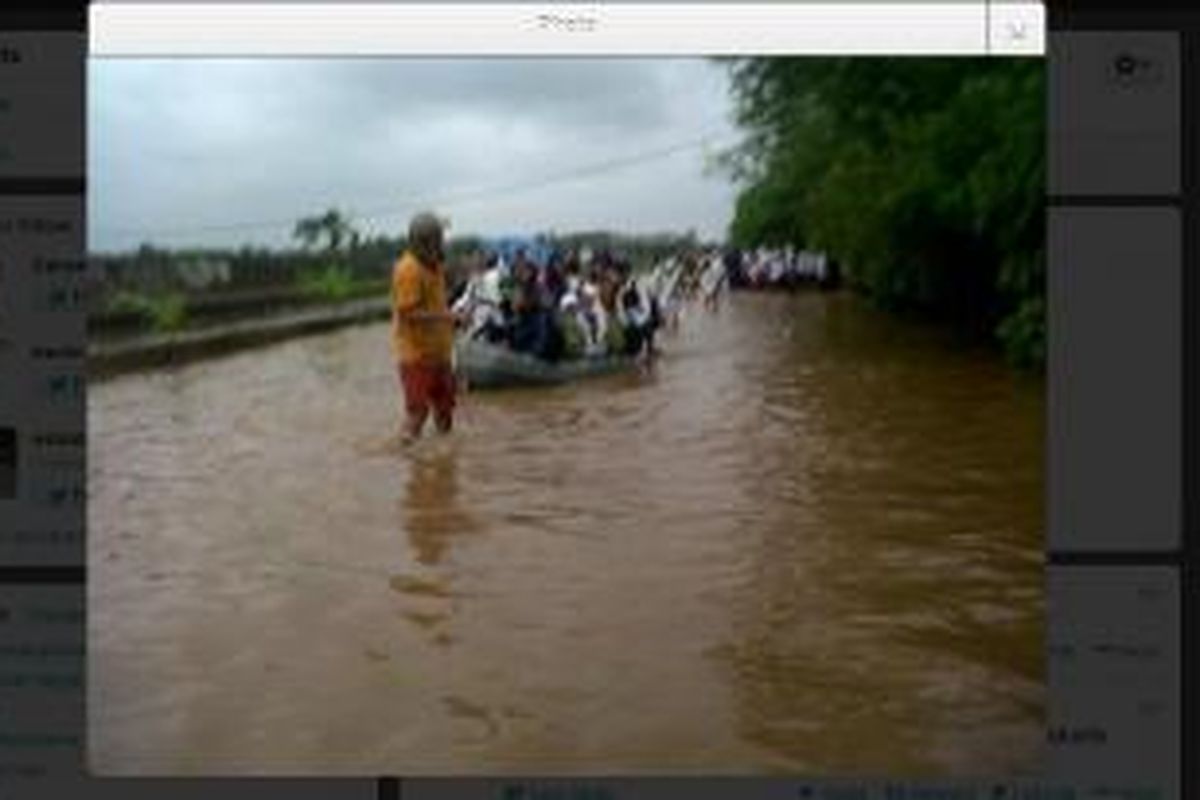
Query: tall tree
{"type": "Point", "coordinates": [924, 177]}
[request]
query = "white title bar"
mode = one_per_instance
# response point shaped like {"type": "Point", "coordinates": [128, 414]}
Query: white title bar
{"type": "Point", "coordinates": [617, 29]}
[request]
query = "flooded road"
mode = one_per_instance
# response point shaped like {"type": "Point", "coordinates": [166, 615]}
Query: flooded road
{"type": "Point", "coordinates": [809, 542]}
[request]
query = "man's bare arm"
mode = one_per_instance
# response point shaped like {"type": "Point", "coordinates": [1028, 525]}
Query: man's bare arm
{"type": "Point", "coordinates": [416, 315]}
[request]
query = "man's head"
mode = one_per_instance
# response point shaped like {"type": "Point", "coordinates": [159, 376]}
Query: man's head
{"type": "Point", "coordinates": [425, 238]}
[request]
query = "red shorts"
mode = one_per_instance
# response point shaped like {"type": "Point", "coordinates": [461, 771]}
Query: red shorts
{"type": "Point", "coordinates": [428, 386]}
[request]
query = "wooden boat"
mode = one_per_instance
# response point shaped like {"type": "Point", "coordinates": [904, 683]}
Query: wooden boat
{"type": "Point", "coordinates": [486, 365]}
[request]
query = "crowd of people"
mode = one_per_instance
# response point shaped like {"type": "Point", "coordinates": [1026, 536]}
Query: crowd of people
{"type": "Point", "coordinates": [785, 268]}
{"type": "Point", "coordinates": [552, 304]}
{"type": "Point", "coordinates": [577, 305]}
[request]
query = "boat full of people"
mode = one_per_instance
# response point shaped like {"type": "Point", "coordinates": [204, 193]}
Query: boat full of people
{"type": "Point", "coordinates": [486, 365]}
{"type": "Point", "coordinates": [539, 319]}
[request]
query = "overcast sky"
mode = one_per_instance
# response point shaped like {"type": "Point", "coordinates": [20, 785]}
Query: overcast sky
{"type": "Point", "coordinates": [234, 151]}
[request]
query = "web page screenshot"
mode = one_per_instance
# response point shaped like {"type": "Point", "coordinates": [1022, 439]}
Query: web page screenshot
{"type": "Point", "coordinates": [523, 400]}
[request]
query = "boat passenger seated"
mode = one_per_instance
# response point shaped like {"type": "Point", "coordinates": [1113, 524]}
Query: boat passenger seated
{"type": "Point", "coordinates": [608, 308]}
{"type": "Point", "coordinates": [533, 329]}
{"type": "Point", "coordinates": [480, 300]}
{"type": "Point", "coordinates": [594, 321]}
{"type": "Point", "coordinates": [553, 282]}
{"type": "Point", "coordinates": [573, 325]}
{"type": "Point", "coordinates": [635, 315]}
{"type": "Point", "coordinates": [572, 277]}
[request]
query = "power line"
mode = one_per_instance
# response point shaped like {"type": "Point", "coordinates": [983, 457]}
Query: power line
{"type": "Point", "coordinates": [564, 177]}
{"type": "Point", "coordinates": [464, 196]}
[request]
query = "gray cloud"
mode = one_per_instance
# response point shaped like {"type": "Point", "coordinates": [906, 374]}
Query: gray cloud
{"type": "Point", "coordinates": [224, 152]}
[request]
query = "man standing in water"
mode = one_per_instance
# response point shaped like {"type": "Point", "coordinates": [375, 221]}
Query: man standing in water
{"type": "Point", "coordinates": [423, 329]}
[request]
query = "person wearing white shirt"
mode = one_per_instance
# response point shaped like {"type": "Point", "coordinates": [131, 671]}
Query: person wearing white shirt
{"type": "Point", "coordinates": [480, 300]}
{"type": "Point", "coordinates": [595, 319]}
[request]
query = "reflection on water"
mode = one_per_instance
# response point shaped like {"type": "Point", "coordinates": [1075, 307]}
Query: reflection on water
{"type": "Point", "coordinates": [809, 541]}
{"type": "Point", "coordinates": [431, 509]}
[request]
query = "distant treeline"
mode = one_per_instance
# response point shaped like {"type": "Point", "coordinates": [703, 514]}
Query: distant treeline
{"type": "Point", "coordinates": [923, 177]}
{"type": "Point", "coordinates": [152, 270]}
{"type": "Point", "coordinates": [157, 270]}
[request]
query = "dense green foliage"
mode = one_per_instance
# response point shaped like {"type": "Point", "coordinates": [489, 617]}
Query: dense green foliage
{"type": "Point", "coordinates": [165, 313]}
{"type": "Point", "coordinates": [331, 283]}
{"type": "Point", "coordinates": [924, 178]}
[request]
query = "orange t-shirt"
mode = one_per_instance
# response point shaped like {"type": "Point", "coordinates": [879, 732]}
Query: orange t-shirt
{"type": "Point", "coordinates": [416, 287]}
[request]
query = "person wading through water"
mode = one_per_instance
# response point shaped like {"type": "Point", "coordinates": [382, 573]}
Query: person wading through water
{"type": "Point", "coordinates": [423, 329]}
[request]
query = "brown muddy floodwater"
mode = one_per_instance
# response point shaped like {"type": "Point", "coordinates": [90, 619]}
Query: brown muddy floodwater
{"type": "Point", "coordinates": [809, 542]}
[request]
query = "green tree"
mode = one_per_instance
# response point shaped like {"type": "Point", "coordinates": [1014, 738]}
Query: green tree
{"type": "Point", "coordinates": [923, 177]}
